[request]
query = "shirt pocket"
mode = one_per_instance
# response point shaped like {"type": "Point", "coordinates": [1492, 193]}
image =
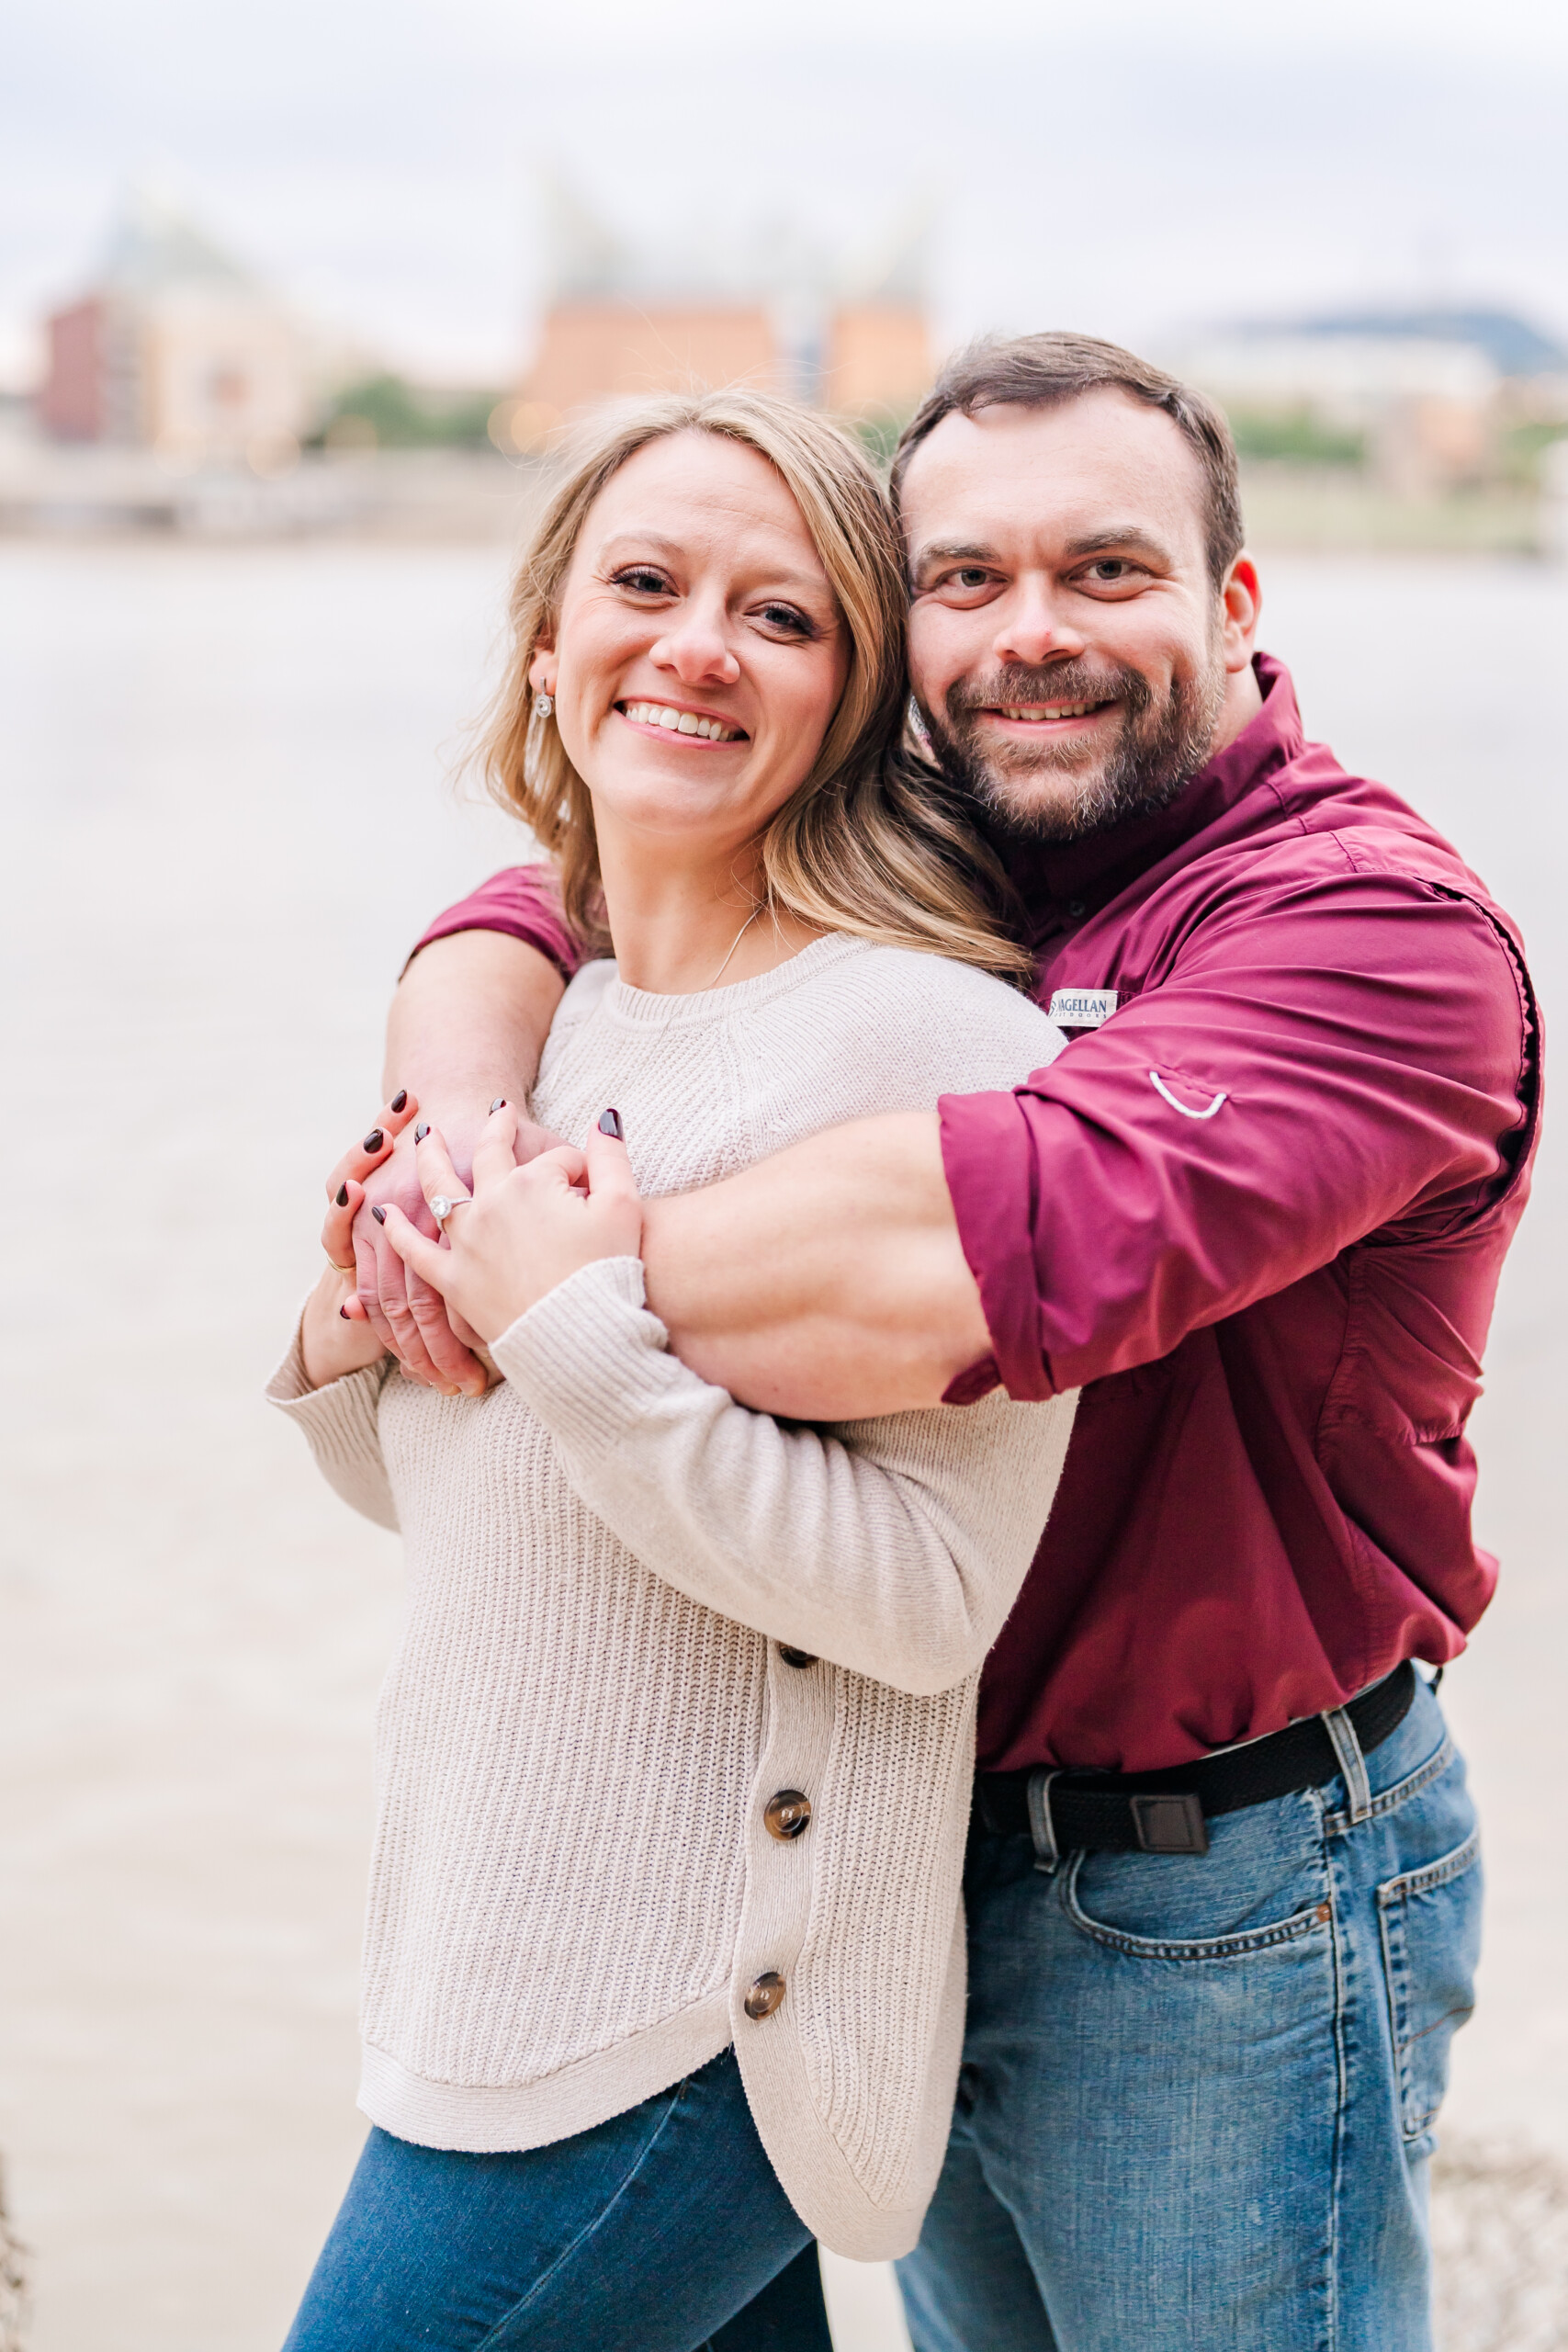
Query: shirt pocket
{"type": "Point", "coordinates": [1430, 1923]}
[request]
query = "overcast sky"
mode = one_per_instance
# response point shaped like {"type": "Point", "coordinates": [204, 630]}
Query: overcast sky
{"type": "Point", "coordinates": [1125, 167]}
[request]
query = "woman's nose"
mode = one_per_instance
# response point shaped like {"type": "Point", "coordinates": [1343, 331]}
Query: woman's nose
{"type": "Point", "coordinates": [697, 650]}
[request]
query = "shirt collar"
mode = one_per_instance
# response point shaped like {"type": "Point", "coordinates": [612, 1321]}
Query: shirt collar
{"type": "Point", "coordinates": [1103, 863]}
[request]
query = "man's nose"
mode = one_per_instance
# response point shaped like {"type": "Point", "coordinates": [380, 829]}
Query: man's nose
{"type": "Point", "coordinates": [697, 649]}
{"type": "Point", "coordinates": [1030, 629]}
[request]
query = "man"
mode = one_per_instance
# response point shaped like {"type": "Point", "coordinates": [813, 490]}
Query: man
{"type": "Point", "coordinates": [1222, 1892]}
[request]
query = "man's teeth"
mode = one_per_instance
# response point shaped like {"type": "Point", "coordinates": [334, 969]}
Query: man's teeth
{"type": "Point", "coordinates": [684, 722]}
{"type": "Point", "coordinates": [1051, 710]}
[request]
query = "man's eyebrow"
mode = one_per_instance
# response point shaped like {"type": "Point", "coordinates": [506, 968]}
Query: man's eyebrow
{"type": "Point", "coordinates": [1132, 538]}
{"type": "Point", "coordinates": [952, 551]}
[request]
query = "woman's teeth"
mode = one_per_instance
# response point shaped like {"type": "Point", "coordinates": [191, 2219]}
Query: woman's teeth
{"type": "Point", "coordinates": [1051, 710]}
{"type": "Point", "coordinates": [684, 722]}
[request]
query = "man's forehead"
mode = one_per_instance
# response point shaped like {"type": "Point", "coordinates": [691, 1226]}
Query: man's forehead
{"type": "Point", "coordinates": [1076, 471]}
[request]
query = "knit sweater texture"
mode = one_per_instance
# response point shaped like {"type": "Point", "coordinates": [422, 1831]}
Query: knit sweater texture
{"type": "Point", "coordinates": [574, 1887]}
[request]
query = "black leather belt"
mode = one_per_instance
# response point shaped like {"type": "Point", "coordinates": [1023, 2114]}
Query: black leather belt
{"type": "Point", "coordinates": [1165, 1812]}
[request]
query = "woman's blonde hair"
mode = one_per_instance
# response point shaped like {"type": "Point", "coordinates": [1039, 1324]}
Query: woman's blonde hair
{"type": "Point", "coordinates": [874, 841]}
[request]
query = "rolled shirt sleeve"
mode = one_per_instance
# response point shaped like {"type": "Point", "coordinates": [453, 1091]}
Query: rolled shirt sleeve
{"type": "Point", "coordinates": [1316, 1061]}
{"type": "Point", "coordinates": [524, 902]}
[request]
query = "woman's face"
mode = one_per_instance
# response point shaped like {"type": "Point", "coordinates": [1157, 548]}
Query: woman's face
{"type": "Point", "coordinates": [699, 653]}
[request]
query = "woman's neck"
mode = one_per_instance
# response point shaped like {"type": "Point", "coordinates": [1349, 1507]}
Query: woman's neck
{"type": "Point", "coordinates": [679, 928]}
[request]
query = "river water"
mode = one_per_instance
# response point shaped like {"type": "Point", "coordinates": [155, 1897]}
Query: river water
{"type": "Point", "coordinates": [226, 813]}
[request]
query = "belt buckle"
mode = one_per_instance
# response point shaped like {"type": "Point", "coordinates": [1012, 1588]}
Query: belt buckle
{"type": "Point", "coordinates": [1171, 1825]}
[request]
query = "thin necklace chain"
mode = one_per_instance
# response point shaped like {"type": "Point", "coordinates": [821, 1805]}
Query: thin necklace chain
{"type": "Point", "coordinates": [733, 945]}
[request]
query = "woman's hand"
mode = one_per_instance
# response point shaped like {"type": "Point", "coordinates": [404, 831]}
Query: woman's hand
{"type": "Point", "coordinates": [336, 1336]}
{"type": "Point", "coordinates": [523, 1230]}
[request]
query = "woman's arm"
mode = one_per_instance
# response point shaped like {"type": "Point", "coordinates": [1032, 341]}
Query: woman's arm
{"type": "Point", "coordinates": [330, 1381]}
{"type": "Point", "coordinates": [894, 1547]}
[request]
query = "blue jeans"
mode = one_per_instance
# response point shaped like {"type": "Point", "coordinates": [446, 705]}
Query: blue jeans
{"type": "Point", "coordinates": [1196, 2103]}
{"type": "Point", "coordinates": [664, 2230]}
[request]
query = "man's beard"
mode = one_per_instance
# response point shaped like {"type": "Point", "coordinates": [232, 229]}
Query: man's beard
{"type": "Point", "coordinates": [1158, 749]}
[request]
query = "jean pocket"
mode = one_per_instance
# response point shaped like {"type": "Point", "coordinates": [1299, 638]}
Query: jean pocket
{"type": "Point", "coordinates": [1430, 1923]}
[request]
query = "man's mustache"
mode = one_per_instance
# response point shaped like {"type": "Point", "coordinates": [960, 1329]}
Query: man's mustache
{"type": "Point", "coordinates": [1016, 686]}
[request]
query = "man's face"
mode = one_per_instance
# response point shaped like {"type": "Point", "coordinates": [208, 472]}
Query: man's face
{"type": "Point", "coordinates": [1068, 647]}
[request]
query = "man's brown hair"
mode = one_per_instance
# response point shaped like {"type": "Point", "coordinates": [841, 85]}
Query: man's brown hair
{"type": "Point", "coordinates": [1038, 370]}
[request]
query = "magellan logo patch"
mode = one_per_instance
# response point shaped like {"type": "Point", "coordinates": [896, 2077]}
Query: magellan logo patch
{"type": "Point", "coordinates": [1082, 1008]}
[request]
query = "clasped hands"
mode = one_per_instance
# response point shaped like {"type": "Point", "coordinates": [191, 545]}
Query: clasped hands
{"type": "Point", "coordinates": [517, 1235]}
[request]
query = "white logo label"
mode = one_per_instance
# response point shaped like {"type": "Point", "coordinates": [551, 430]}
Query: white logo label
{"type": "Point", "coordinates": [1082, 1008]}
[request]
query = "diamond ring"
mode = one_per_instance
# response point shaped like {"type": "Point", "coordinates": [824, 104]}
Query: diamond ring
{"type": "Point", "coordinates": [441, 1207]}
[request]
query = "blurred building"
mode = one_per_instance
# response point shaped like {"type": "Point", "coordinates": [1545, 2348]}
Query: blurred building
{"type": "Point", "coordinates": [1424, 397]}
{"type": "Point", "coordinates": [177, 346]}
{"type": "Point", "coordinates": [776, 316]}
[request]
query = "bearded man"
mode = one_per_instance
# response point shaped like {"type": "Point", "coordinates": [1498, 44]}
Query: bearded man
{"type": "Point", "coordinates": [1222, 1889]}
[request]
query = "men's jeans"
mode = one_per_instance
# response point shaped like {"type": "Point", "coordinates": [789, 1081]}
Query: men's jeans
{"type": "Point", "coordinates": [1196, 2105]}
{"type": "Point", "coordinates": [663, 2230]}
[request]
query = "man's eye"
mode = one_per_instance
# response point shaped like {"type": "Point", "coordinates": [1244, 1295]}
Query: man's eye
{"type": "Point", "coordinates": [972, 576]}
{"type": "Point", "coordinates": [1111, 568]}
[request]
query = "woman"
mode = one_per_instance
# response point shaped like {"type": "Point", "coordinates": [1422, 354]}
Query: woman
{"type": "Point", "coordinates": [663, 1970]}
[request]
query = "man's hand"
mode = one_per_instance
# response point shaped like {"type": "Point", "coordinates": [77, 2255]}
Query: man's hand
{"type": "Point", "coordinates": [523, 1230]}
{"type": "Point", "coordinates": [413, 1320]}
{"type": "Point", "coordinates": [467, 1028]}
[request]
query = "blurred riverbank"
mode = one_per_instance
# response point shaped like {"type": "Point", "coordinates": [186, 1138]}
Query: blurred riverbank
{"type": "Point", "coordinates": [224, 820]}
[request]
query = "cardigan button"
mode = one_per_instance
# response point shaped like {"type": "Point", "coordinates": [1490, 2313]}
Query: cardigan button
{"type": "Point", "coordinates": [796, 1658]}
{"type": "Point", "coordinates": [787, 1813]}
{"type": "Point", "coordinates": [765, 1995]}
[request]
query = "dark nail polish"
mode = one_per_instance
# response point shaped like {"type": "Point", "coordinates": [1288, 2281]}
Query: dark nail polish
{"type": "Point", "coordinates": [380, 1213]}
{"type": "Point", "coordinates": [341, 1196]}
{"type": "Point", "coordinates": [421, 1131]}
{"type": "Point", "coordinates": [499, 1104]}
{"type": "Point", "coordinates": [400, 1098]}
{"type": "Point", "coordinates": [374, 1140]}
{"type": "Point", "coordinates": [610, 1124]}
{"type": "Point", "coordinates": [342, 1310]}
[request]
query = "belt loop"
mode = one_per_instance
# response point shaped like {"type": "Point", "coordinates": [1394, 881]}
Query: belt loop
{"type": "Point", "coordinates": [1352, 1763]}
{"type": "Point", "coordinates": [1041, 1828]}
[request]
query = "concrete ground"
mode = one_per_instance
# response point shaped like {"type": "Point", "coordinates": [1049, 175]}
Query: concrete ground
{"type": "Point", "coordinates": [223, 822]}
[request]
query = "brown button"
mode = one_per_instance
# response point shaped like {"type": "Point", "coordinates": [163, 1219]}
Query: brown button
{"type": "Point", "coordinates": [765, 1995]}
{"type": "Point", "coordinates": [787, 1813]}
{"type": "Point", "coordinates": [796, 1658]}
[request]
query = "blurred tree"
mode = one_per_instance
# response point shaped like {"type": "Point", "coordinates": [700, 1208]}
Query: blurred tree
{"type": "Point", "coordinates": [388, 413]}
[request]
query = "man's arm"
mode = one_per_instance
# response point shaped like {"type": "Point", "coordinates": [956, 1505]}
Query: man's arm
{"type": "Point", "coordinates": [468, 1024]}
{"type": "Point", "coordinates": [826, 1283]}
{"type": "Point", "coordinates": [1321, 1063]}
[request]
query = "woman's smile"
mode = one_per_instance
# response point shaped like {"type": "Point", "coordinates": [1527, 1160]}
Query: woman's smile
{"type": "Point", "coordinates": [679, 719]}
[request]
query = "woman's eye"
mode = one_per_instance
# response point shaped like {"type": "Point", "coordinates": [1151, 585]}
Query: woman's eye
{"type": "Point", "coordinates": [642, 580]}
{"type": "Point", "coordinates": [784, 617]}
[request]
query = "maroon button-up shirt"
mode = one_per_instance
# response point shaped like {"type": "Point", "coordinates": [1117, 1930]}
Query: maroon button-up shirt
{"type": "Point", "coordinates": [1257, 1214]}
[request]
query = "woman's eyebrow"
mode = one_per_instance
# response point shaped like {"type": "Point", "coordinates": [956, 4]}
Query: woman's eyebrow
{"type": "Point", "coordinates": [656, 542]}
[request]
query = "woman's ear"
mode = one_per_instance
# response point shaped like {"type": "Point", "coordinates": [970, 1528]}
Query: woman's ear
{"type": "Point", "coordinates": [542, 668]}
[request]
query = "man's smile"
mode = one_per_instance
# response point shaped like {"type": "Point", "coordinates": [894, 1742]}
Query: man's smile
{"type": "Point", "coordinates": [1042, 715]}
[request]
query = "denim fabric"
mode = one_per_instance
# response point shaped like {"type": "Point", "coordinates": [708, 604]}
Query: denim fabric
{"type": "Point", "coordinates": [664, 2230]}
{"type": "Point", "coordinates": [1196, 2103]}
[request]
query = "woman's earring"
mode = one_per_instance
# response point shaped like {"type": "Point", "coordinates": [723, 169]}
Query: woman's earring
{"type": "Point", "coordinates": [534, 741]}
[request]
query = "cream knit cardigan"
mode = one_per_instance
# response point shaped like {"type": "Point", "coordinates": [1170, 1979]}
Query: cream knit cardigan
{"type": "Point", "coordinates": [573, 1886]}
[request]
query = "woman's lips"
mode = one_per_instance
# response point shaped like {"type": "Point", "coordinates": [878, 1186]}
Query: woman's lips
{"type": "Point", "coordinates": [673, 720]}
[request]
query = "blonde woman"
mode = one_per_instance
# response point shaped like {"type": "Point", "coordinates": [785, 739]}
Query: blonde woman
{"type": "Point", "coordinates": [664, 1965]}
